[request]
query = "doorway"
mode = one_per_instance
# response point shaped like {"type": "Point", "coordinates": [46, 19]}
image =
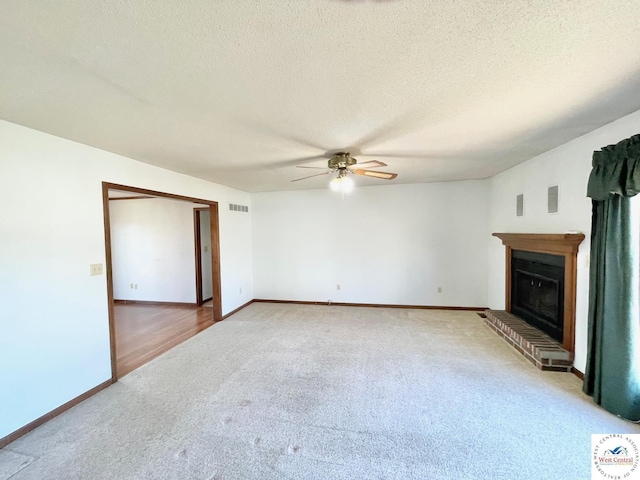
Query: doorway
{"type": "Point", "coordinates": [137, 311]}
{"type": "Point", "coordinates": [202, 237]}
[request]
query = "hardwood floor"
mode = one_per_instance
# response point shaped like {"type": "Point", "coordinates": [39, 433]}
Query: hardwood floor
{"type": "Point", "coordinates": [145, 331]}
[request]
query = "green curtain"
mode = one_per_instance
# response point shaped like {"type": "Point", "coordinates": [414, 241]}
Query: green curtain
{"type": "Point", "coordinates": [616, 170]}
{"type": "Point", "coordinates": [612, 375]}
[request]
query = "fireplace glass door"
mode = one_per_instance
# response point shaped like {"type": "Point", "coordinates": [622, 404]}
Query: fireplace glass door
{"type": "Point", "coordinates": [537, 291]}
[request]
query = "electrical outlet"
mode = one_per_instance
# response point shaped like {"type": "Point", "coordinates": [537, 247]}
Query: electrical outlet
{"type": "Point", "coordinates": [439, 289]}
{"type": "Point", "coordinates": [135, 286]}
{"type": "Point", "coordinates": [131, 286]}
{"type": "Point", "coordinates": [206, 248]}
{"type": "Point", "coordinates": [240, 290]}
{"type": "Point", "coordinates": [338, 287]}
{"type": "Point", "coordinates": [95, 269]}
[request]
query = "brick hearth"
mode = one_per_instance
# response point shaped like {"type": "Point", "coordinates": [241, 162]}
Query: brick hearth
{"type": "Point", "coordinates": [538, 348]}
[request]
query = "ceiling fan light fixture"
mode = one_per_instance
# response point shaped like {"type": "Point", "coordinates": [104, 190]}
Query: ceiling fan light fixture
{"type": "Point", "coordinates": [342, 184]}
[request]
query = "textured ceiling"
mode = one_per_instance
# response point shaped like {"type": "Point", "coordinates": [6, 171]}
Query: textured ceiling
{"type": "Point", "coordinates": [239, 91]}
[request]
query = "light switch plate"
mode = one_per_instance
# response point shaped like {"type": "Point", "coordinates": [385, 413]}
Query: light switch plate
{"type": "Point", "coordinates": [95, 269]}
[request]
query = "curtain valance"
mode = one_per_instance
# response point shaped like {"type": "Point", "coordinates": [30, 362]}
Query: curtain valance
{"type": "Point", "coordinates": [616, 170]}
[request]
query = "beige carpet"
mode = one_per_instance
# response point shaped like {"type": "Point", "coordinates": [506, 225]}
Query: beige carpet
{"type": "Point", "coordinates": [326, 392]}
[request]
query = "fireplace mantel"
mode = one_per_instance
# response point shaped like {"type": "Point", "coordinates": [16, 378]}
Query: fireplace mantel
{"type": "Point", "coordinates": [563, 244]}
{"type": "Point", "coordinates": [554, 243]}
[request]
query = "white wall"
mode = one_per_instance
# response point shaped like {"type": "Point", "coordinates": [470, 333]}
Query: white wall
{"type": "Point", "coordinates": [152, 247]}
{"type": "Point", "coordinates": [54, 329]}
{"type": "Point", "coordinates": [392, 244]}
{"type": "Point", "coordinates": [238, 264]}
{"type": "Point", "coordinates": [567, 166]}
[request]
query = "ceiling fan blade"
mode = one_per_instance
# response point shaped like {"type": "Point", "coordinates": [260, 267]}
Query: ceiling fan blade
{"type": "Point", "coordinates": [368, 164]}
{"type": "Point", "coordinates": [373, 173]}
{"type": "Point", "coordinates": [316, 175]}
{"type": "Point", "coordinates": [304, 166]}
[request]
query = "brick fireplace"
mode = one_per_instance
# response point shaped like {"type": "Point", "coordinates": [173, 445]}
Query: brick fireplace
{"type": "Point", "coordinates": [548, 263]}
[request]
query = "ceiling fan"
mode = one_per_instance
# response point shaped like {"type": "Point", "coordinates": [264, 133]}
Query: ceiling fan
{"type": "Point", "coordinates": [345, 164]}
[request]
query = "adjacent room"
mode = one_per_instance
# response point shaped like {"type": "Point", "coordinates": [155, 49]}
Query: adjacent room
{"type": "Point", "coordinates": [162, 274]}
{"type": "Point", "coordinates": [323, 239]}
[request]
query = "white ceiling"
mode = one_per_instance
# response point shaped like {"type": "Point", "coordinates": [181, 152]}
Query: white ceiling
{"type": "Point", "coordinates": [239, 92]}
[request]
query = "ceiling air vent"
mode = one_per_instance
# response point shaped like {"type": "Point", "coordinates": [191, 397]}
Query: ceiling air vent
{"type": "Point", "coordinates": [238, 208]}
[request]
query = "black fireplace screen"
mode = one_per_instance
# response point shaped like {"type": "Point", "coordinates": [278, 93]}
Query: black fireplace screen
{"type": "Point", "coordinates": [537, 290]}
